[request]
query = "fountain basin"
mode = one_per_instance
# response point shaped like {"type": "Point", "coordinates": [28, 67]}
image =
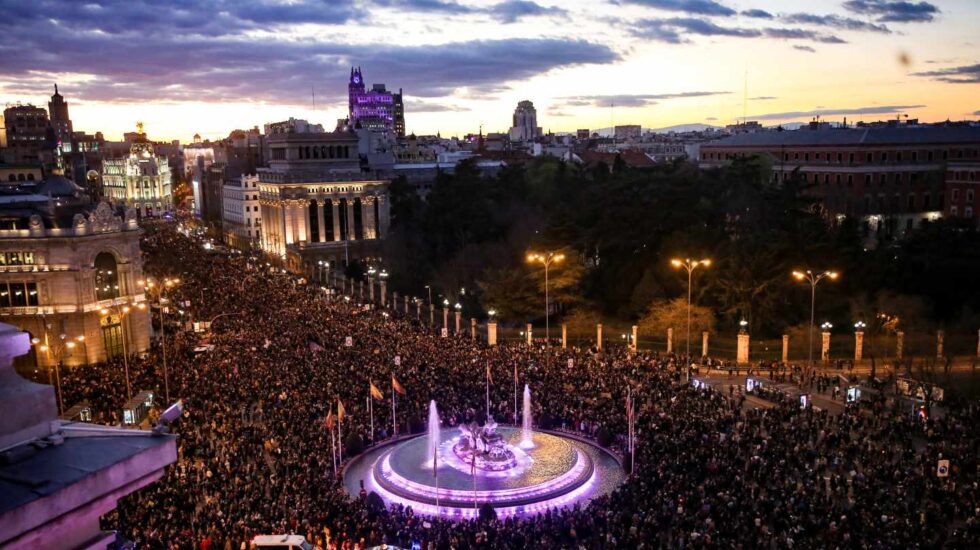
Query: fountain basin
{"type": "Point", "coordinates": [557, 471]}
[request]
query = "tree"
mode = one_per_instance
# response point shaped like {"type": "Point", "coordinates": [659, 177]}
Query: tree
{"type": "Point", "coordinates": [673, 314]}
{"type": "Point", "coordinates": [511, 292]}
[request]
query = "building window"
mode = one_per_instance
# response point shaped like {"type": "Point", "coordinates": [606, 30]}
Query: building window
{"type": "Point", "coordinates": [953, 211]}
{"type": "Point", "coordinates": [969, 195]}
{"type": "Point", "coordinates": [18, 294]}
{"type": "Point", "coordinates": [106, 277]}
{"type": "Point", "coordinates": [968, 212]}
{"type": "Point", "coordinates": [925, 201]}
{"type": "Point", "coordinates": [956, 195]}
{"type": "Point", "coordinates": [851, 158]}
{"type": "Point", "coordinates": [870, 158]}
{"type": "Point", "coordinates": [16, 258]}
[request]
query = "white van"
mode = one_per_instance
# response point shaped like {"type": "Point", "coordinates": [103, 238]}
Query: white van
{"type": "Point", "coordinates": [281, 542]}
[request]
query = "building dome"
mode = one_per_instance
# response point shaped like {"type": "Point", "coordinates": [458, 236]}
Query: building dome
{"type": "Point", "coordinates": [57, 185]}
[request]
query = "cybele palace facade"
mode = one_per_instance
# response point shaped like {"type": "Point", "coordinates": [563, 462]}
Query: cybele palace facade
{"type": "Point", "coordinates": [69, 273]}
{"type": "Point", "coordinates": [315, 202]}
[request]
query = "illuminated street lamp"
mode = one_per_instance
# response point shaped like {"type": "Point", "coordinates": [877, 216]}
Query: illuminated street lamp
{"type": "Point", "coordinates": [689, 265]}
{"type": "Point", "coordinates": [159, 289]}
{"type": "Point", "coordinates": [813, 279]}
{"type": "Point", "coordinates": [59, 351]}
{"type": "Point", "coordinates": [546, 259]}
{"type": "Point", "coordinates": [122, 310]}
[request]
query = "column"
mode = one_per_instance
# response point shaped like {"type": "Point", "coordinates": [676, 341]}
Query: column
{"type": "Point", "coordinates": [978, 343]}
{"type": "Point", "coordinates": [491, 333]}
{"type": "Point", "coordinates": [704, 344]}
{"type": "Point", "coordinates": [335, 214]}
{"type": "Point", "coordinates": [367, 217]}
{"type": "Point", "coordinates": [670, 340]}
{"type": "Point", "coordinates": [445, 318]}
{"type": "Point", "coordinates": [384, 215]}
{"type": "Point", "coordinates": [432, 315]}
{"type": "Point", "coordinates": [529, 333]}
{"type": "Point", "coordinates": [742, 356]}
{"type": "Point", "coordinates": [304, 227]}
{"type": "Point", "coordinates": [350, 219]}
{"type": "Point", "coordinates": [384, 293]}
{"type": "Point", "coordinates": [825, 346]}
{"type": "Point", "coordinates": [564, 336]}
{"type": "Point", "coordinates": [320, 223]}
{"type": "Point", "coordinates": [899, 344]}
{"type": "Point", "coordinates": [371, 289]}
{"type": "Point", "coordinates": [940, 338]}
{"type": "Point", "coordinates": [473, 329]}
{"type": "Point", "coordinates": [406, 304]}
{"type": "Point", "coordinates": [858, 345]}
{"type": "Point", "coordinates": [598, 336]}
{"type": "Point", "coordinates": [394, 297]}
{"type": "Point", "coordinates": [287, 211]}
{"type": "Point", "coordinates": [633, 345]}
{"type": "Point", "coordinates": [459, 315]}
{"type": "Point", "coordinates": [786, 348]}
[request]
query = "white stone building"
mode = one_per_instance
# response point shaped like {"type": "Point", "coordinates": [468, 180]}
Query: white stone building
{"type": "Point", "coordinates": [242, 219]}
{"type": "Point", "coordinates": [525, 126]}
{"type": "Point", "coordinates": [140, 180]}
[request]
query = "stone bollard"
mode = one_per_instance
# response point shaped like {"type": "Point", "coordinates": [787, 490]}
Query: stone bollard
{"type": "Point", "coordinates": [858, 345]}
{"type": "Point", "coordinates": [742, 355]}
{"type": "Point", "coordinates": [564, 336]}
{"type": "Point", "coordinates": [633, 345]}
{"type": "Point", "coordinates": [598, 336]}
{"type": "Point", "coordinates": [530, 334]}
{"type": "Point", "coordinates": [491, 333]}
{"type": "Point", "coordinates": [704, 344]}
{"type": "Point", "coordinates": [670, 340]}
{"type": "Point", "coordinates": [825, 346]}
{"type": "Point", "coordinates": [786, 348]}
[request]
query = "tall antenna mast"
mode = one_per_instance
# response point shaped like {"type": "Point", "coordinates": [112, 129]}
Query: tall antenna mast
{"type": "Point", "coordinates": [745, 96]}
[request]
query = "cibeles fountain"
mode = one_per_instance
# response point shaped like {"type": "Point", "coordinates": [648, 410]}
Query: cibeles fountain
{"type": "Point", "coordinates": [452, 472]}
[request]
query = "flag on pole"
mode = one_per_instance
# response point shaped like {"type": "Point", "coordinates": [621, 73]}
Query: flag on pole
{"type": "Point", "coordinates": [330, 421]}
{"type": "Point", "coordinates": [396, 386]}
{"type": "Point", "coordinates": [489, 376]}
{"type": "Point", "coordinates": [340, 410]}
{"type": "Point", "coordinates": [375, 392]}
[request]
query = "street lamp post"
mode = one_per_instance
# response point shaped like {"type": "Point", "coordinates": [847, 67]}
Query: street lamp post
{"type": "Point", "coordinates": [168, 284]}
{"type": "Point", "coordinates": [59, 352]}
{"type": "Point", "coordinates": [546, 259]}
{"type": "Point", "coordinates": [813, 279]}
{"type": "Point", "coordinates": [689, 265]}
{"type": "Point", "coordinates": [122, 310]}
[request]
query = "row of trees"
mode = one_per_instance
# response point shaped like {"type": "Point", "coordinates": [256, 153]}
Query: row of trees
{"type": "Point", "coordinates": [619, 229]}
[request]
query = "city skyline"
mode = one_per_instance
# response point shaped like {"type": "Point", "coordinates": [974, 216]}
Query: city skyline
{"type": "Point", "coordinates": [212, 66]}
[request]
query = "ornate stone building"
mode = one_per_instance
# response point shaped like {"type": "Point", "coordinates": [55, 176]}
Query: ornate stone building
{"type": "Point", "coordinates": [315, 203]}
{"type": "Point", "coordinates": [68, 275]}
{"type": "Point", "coordinates": [141, 180]}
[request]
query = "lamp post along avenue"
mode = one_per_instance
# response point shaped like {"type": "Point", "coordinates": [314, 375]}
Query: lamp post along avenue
{"type": "Point", "coordinates": [813, 279]}
{"type": "Point", "coordinates": [689, 265]}
{"type": "Point", "coordinates": [546, 259]}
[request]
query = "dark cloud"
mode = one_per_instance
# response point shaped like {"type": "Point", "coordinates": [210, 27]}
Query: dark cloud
{"type": "Point", "coordinates": [803, 48]}
{"type": "Point", "coordinates": [763, 98]}
{"type": "Point", "coordinates": [834, 21]}
{"type": "Point", "coordinates": [803, 34]}
{"type": "Point", "coordinates": [976, 113]}
{"type": "Point", "coordinates": [143, 60]}
{"type": "Point", "coordinates": [189, 17]}
{"type": "Point", "coordinates": [699, 7]}
{"type": "Point", "coordinates": [711, 118]}
{"type": "Point", "coordinates": [966, 74]}
{"type": "Point", "coordinates": [510, 11]}
{"type": "Point", "coordinates": [888, 11]}
{"type": "Point", "coordinates": [873, 110]}
{"type": "Point", "coordinates": [758, 14]}
{"type": "Point", "coordinates": [672, 30]}
{"type": "Point", "coordinates": [630, 100]}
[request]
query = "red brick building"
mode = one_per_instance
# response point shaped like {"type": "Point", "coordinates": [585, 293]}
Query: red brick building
{"type": "Point", "coordinates": [892, 178]}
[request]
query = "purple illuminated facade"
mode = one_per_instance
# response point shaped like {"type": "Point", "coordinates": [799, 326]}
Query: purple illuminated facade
{"type": "Point", "coordinates": [377, 109]}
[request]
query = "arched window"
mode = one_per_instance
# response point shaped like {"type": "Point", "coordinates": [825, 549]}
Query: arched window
{"type": "Point", "coordinates": [106, 277]}
{"type": "Point", "coordinates": [20, 177]}
{"type": "Point", "coordinates": [332, 151]}
{"type": "Point", "coordinates": [323, 151]}
{"type": "Point", "coordinates": [30, 177]}
{"type": "Point", "coordinates": [346, 152]}
{"type": "Point", "coordinates": [12, 177]}
{"type": "Point", "coordinates": [316, 152]}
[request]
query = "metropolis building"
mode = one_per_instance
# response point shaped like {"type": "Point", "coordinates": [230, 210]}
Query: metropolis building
{"type": "Point", "coordinates": [140, 180]}
{"type": "Point", "coordinates": [315, 204]}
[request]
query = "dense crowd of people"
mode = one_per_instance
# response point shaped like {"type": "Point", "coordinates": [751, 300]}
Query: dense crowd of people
{"type": "Point", "coordinates": [254, 455]}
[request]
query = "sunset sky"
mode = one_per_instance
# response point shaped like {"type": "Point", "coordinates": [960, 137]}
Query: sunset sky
{"type": "Point", "coordinates": [210, 66]}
